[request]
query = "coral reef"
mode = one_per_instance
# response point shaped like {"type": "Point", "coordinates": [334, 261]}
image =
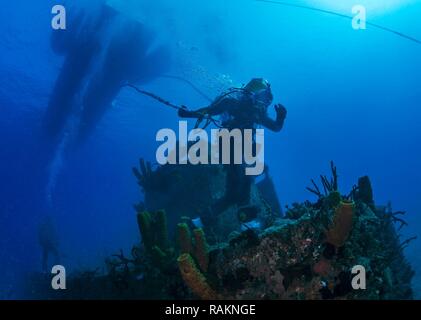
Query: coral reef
{"type": "Point", "coordinates": [309, 253]}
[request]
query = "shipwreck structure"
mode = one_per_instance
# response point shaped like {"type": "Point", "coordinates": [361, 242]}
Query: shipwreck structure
{"type": "Point", "coordinates": [307, 252]}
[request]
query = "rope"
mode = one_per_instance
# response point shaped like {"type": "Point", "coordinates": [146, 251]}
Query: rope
{"type": "Point", "coordinates": [286, 4]}
{"type": "Point", "coordinates": [155, 97]}
{"type": "Point", "coordinates": [209, 119]}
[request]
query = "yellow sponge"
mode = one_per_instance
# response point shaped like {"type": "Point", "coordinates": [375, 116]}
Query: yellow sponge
{"type": "Point", "coordinates": [194, 279]}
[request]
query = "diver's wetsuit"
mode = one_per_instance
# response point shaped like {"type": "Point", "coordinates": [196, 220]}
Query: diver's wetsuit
{"type": "Point", "coordinates": [238, 110]}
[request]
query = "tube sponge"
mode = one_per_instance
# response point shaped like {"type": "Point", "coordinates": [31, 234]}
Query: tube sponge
{"type": "Point", "coordinates": [194, 279]}
{"type": "Point", "coordinates": [342, 224]}
{"type": "Point", "coordinates": [365, 191]}
{"type": "Point", "coordinates": [153, 229]}
{"type": "Point", "coordinates": [161, 229]}
{"type": "Point", "coordinates": [184, 238]}
{"type": "Point", "coordinates": [144, 223]}
{"type": "Point", "coordinates": [159, 257]}
{"type": "Point", "coordinates": [201, 250]}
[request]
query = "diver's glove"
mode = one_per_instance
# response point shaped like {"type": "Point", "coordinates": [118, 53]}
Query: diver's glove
{"type": "Point", "coordinates": [281, 112]}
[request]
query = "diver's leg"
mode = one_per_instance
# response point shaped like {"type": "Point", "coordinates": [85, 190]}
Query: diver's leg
{"type": "Point", "coordinates": [210, 214]}
{"type": "Point", "coordinates": [231, 189]}
{"type": "Point", "coordinates": [245, 181]}
{"type": "Point", "coordinates": [244, 188]}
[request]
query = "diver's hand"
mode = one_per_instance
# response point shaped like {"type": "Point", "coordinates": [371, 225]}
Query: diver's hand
{"type": "Point", "coordinates": [281, 112]}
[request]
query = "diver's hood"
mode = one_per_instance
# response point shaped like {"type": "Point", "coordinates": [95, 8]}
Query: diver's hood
{"type": "Point", "coordinates": [261, 91]}
{"type": "Point", "coordinates": [257, 84]}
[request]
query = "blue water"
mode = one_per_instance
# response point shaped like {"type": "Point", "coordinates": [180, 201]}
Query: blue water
{"type": "Point", "coordinates": [352, 96]}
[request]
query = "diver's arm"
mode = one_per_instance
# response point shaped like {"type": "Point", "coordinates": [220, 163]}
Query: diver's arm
{"type": "Point", "coordinates": [278, 124]}
{"type": "Point", "coordinates": [212, 110]}
{"type": "Point", "coordinates": [195, 114]}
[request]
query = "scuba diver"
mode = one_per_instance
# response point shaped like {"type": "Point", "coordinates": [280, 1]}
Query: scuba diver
{"type": "Point", "coordinates": [243, 108]}
{"type": "Point", "coordinates": [48, 240]}
{"type": "Point", "coordinates": [239, 108]}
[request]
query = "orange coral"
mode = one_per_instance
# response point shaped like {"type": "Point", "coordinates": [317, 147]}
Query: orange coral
{"type": "Point", "coordinates": [342, 224]}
